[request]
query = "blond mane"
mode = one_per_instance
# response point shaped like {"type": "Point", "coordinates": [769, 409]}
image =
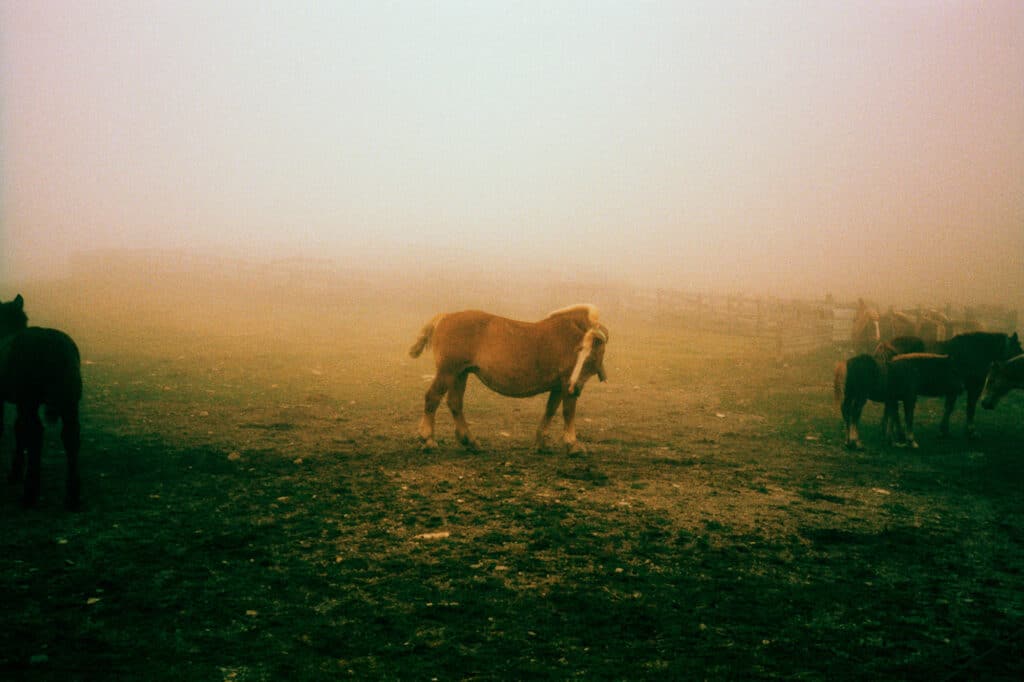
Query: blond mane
{"type": "Point", "coordinates": [593, 314]}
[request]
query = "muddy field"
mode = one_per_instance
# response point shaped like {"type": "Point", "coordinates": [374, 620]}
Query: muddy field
{"type": "Point", "coordinates": [257, 508]}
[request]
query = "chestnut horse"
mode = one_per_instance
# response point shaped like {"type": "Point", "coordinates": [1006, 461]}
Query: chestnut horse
{"type": "Point", "coordinates": [555, 355]}
{"type": "Point", "coordinates": [866, 332]}
{"type": "Point", "coordinates": [39, 367]}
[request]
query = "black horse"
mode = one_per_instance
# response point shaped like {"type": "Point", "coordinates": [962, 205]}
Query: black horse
{"type": "Point", "coordinates": [919, 374]}
{"type": "Point", "coordinates": [973, 354]}
{"type": "Point", "coordinates": [39, 368]}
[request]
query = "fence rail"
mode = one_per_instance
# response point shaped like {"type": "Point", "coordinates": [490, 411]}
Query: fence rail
{"type": "Point", "coordinates": [790, 327]}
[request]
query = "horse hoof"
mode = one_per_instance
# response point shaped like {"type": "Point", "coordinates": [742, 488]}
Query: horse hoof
{"type": "Point", "coordinates": [575, 448]}
{"type": "Point", "coordinates": [854, 445]}
{"type": "Point", "coordinates": [428, 445]}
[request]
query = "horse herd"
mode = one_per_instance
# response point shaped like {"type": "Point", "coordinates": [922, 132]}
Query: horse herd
{"type": "Point", "coordinates": [900, 368]}
{"type": "Point", "coordinates": [40, 368]}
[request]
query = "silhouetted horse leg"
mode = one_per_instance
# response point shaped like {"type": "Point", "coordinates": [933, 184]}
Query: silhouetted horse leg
{"type": "Point", "coordinates": [946, 412]}
{"type": "Point", "coordinates": [70, 436]}
{"type": "Point", "coordinates": [852, 409]}
{"type": "Point", "coordinates": [973, 393]}
{"type": "Point", "coordinates": [892, 427]}
{"type": "Point", "coordinates": [431, 401]}
{"type": "Point", "coordinates": [455, 396]}
{"type": "Point", "coordinates": [30, 429]}
{"type": "Point", "coordinates": [18, 458]}
{"type": "Point", "coordinates": [554, 398]}
{"type": "Point", "coordinates": [908, 412]}
{"type": "Point", "coordinates": [572, 446]}
{"type": "Point", "coordinates": [13, 476]}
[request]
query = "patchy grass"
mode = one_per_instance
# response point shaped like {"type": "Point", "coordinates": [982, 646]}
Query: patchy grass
{"type": "Point", "coordinates": [257, 508]}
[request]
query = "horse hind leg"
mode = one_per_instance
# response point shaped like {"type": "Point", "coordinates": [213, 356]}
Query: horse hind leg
{"type": "Point", "coordinates": [852, 409]}
{"type": "Point", "coordinates": [554, 398]}
{"type": "Point", "coordinates": [908, 413]}
{"type": "Point", "coordinates": [456, 393]}
{"type": "Point", "coordinates": [946, 412]}
{"type": "Point", "coordinates": [70, 436]}
{"type": "Point", "coordinates": [430, 403]}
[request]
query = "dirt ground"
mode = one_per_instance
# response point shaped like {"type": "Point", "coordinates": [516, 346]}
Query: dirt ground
{"type": "Point", "coordinates": [257, 508]}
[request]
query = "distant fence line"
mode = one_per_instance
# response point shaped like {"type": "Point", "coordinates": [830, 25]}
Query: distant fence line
{"type": "Point", "coordinates": [786, 327]}
{"type": "Point", "coordinates": [789, 327]}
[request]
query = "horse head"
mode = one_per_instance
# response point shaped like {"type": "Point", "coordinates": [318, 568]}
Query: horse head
{"type": "Point", "coordinates": [1013, 347]}
{"type": "Point", "coordinates": [589, 358]}
{"type": "Point", "coordinates": [865, 326]}
{"type": "Point", "coordinates": [12, 316]}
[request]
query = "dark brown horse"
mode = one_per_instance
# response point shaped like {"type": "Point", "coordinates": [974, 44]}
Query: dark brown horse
{"type": "Point", "coordinates": [864, 377]}
{"type": "Point", "coordinates": [973, 354]}
{"type": "Point", "coordinates": [1002, 378]}
{"type": "Point", "coordinates": [918, 374]}
{"type": "Point", "coordinates": [555, 355]}
{"type": "Point", "coordinates": [39, 368]}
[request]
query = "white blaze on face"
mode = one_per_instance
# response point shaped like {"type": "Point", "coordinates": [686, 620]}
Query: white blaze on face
{"type": "Point", "coordinates": [878, 333]}
{"type": "Point", "coordinates": [585, 347]}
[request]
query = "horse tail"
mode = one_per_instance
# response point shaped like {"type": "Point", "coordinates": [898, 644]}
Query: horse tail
{"type": "Point", "coordinates": [839, 384]}
{"type": "Point", "coordinates": [67, 391]}
{"type": "Point", "coordinates": [423, 340]}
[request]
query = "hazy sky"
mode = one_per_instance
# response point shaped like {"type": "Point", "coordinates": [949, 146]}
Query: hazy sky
{"type": "Point", "coordinates": [765, 147]}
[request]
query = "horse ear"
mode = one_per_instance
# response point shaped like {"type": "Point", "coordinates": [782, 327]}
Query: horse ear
{"type": "Point", "coordinates": [19, 302]}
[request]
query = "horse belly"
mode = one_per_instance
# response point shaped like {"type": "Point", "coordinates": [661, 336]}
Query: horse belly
{"type": "Point", "coordinates": [516, 382]}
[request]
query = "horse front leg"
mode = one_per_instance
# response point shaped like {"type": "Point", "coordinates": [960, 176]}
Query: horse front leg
{"type": "Point", "coordinates": [431, 401]}
{"type": "Point", "coordinates": [18, 459]}
{"type": "Point", "coordinates": [28, 431]}
{"type": "Point", "coordinates": [572, 446]}
{"type": "Point", "coordinates": [554, 398]}
{"type": "Point", "coordinates": [455, 401]}
{"type": "Point", "coordinates": [70, 436]}
{"type": "Point", "coordinates": [14, 475]}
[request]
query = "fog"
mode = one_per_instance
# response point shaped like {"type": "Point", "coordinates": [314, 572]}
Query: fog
{"type": "Point", "coordinates": [789, 149]}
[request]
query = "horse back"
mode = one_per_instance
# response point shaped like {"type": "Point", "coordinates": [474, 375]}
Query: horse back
{"type": "Point", "coordinates": [865, 379]}
{"type": "Point", "coordinates": [43, 366]}
{"type": "Point", "coordinates": [925, 374]}
{"type": "Point", "coordinates": [474, 337]}
{"type": "Point", "coordinates": [974, 352]}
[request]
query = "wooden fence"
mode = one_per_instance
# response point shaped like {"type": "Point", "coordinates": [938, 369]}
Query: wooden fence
{"type": "Point", "coordinates": [785, 326]}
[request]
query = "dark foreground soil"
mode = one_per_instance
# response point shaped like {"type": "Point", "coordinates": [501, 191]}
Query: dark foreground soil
{"type": "Point", "coordinates": [257, 508]}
